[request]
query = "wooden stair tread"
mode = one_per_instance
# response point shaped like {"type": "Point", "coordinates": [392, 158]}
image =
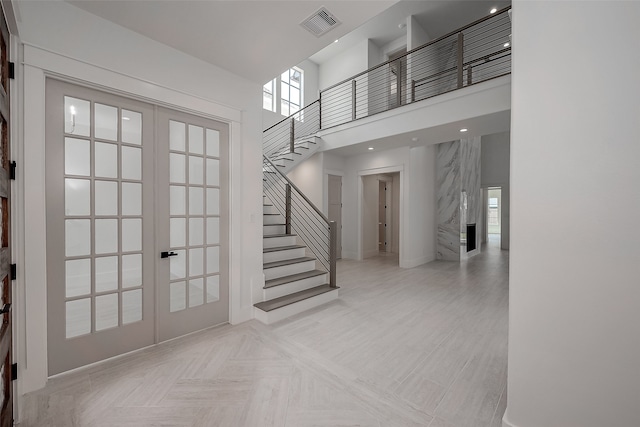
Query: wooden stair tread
{"type": "Point", "coordinates": [277, 235]}
{"type": "Point", "coordinates": [286, 262]}
{"type": "Point", "coordinates": [292, 278]}
{"type": "Point", "coordinates": [270, 214]}
{"type": "Point", "coordinates": [266, 225]}
{"type": "Point", "coordinates": [293, 298]}
{"type": "Point", "coordinates": [282, 248]}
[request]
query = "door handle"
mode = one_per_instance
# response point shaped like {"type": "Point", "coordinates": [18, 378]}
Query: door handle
{"type": "Point", "coordinates": [5, 309]}
{"type": "Point", "coordinates": [168, 254]}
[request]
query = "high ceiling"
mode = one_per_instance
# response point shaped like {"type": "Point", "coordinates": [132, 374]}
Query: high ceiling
{"type": "Point", "coordinates": [436, 17]}
{"type": "Point", "coordinates": [253, 39]}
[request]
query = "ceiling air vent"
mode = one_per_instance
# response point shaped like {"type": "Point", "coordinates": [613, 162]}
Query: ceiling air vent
{"type": "Point", "coordinates": [320, 22]}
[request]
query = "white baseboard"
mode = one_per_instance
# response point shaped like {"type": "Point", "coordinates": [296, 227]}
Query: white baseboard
{"type": "Point", "coordinates": [411, 263]}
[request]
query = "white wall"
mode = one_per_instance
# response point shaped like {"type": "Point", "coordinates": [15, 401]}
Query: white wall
{"type": "Point", "coordinates": [417, 201]}
{"type": "Point", "coordinates": [574, 342]}
{"type": "Point", "coordinates": [344, 65]}
{"type": "Point", "coordinates": [307, 176]}
{"type": "Point", "coordinates": [110, 57]}
{"type": "Point", "coordinates": [495, 173]}
{"type": "Point", "coordinates": [310, 92]}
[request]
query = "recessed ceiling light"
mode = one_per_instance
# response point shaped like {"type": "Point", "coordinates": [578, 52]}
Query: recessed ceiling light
{"type": "Point", "coordinates": [464, 130]}
{"type": "Point", "coordinates": [494, 10]}
{"type": "Point", "coordinates": [335, 41]}
{"type": "Point", "coordinates": [126, 118]}
{"type": "Point", "coordinates": [414, 139]}
{"type": "Point", "coordinates": [507, 44]}
{"type": "Point", "coordinates": [370, 148]}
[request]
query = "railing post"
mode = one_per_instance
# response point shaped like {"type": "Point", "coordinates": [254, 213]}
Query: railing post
{"type": "Point", "coordinates": [292, 135]}
{"type": "Point", "coordinates": [469, 75]}
{"type": "Point", "coordinates": [287, 225]}
{"type": "Point", "coordinates": [353, 99]}
{"type": "Point", "coordinates": [413, 90]}
{"type": "Point", "coordinates": [460, 58]}
{"type": "Point", "coordinates": [333, 253]}
{"type": "Point", "coordinates": [399, 84]}
{"type": "Point", "coordinates": [320, 111]}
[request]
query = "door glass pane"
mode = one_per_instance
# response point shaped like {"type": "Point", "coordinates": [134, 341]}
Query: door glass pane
{"type": "Point", "coordinates": [77, 157]}
{"type": "Point", "coordinates": [213, 259]}
{"type": "Point", "coordinates": [213, 201]}
{"type": "Point", "coordinates": [131, 127]}
{"type": "Point", "coordinates": [196, 292]}
{"type": "Point", "coordinates": [106, 273]}
{"type": "Point", "coordinates": [106, 311]}
{"type": "Point", "coordinates": [131, 163]}
{"type": "Point", "coordinates": [195, 201]}
{"type": "Point", "coordinates": [213, 172]}
{"type": "Point", "coordinates": [196, 170]}
{"type": "Point", "coordinates": [78, 317]}
{"type": "Point", "coordinates": [213, 231]}
{"type": "Point", "coordinates": [177, 200]}
{"type": "Point", "coordinates": [178, 296]}
{"type": "Point", "coordinates": [176, 136]}
{"type": "Point", "coordinates": [177, 172]}
{"type": "Point", "coordinates": [131, 235]}
{"type": "Point", "coordinates": [106, 198]}
{"type": "Point", "coordinates": [196, 139]}
{"type": "Point", "coordinates": [196, 231]}
{"type": "Point", "coordinates": [178, 232]}
{"type": "Point", "coordinates": [213, 143]}
{"type": "Point", "coordinates": [78, 277]}
{"type": "Point", "coordinates": [196, 258]}
{"type": "Point", "coordinates": [178, 265]}
{"type": "Point", "coordinates": [131, 306]}
{"type": "Point", "coordinates": [131, 198]}
{"type": "Point", "coordinates": [213, 288]}
{"type": "Point", "coordinates": [106, 160]}
{"type": "Point", "coordinates": [77, 197]}
{"type": "Point", "coordinates": [131, 270]}
{"type": "Point", "coordinates": [77, 237]}
{"type": "Point", "coordinates": [106, 236]}
{"type": "Point", "coordinates": [77, 116]}
{"type": "Point", "coordinates": [106, 120]}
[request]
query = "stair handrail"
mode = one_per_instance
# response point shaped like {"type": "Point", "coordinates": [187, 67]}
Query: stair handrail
{"type": "Point", "coordinates": [331, 225]}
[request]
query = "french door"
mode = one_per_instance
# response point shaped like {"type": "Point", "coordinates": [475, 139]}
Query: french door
{"type": "Point", "coordinates": [110, 287]}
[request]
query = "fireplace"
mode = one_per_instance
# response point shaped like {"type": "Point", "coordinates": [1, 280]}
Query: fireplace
{"type": "Point", "coordinates": [471, 237]}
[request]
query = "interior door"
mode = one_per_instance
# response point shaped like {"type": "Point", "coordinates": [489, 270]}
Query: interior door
{"type": "Point", "coordinates": [335, 208]}
{"type": "Point", "coordinates": [100, 228]}
{"type": "Point", "coordinates": [193, 223]}
{"type": "Point", "coordinates": [6, 389]}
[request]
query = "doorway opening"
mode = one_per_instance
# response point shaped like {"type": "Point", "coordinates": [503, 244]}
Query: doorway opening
{"type": "Point", "coordinates": [381, 215]}
{"type": "Point", "coordinates": [494, 216]}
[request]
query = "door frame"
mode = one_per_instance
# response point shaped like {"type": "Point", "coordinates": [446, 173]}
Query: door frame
{"type": "Point", "coordinates": [34, 66]}
{"type": "Point", "coordinates": [360, 210]}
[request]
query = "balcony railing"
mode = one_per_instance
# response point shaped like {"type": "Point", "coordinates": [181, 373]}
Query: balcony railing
{"type": "Point", "coordinates": [472, 54]}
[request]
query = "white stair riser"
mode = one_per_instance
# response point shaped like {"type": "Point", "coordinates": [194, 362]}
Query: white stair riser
{"type": "Point", "coordinates": [270, 209]}
{"type": "Point", "coordinates": [268, 230]}
{"type": "Point", "coordinates": [297, 286]}
{"type": "Point", "coordinates": [282, 255]}
{"type": "Point", "coordinates": [293, 309]}
{"type": "Point", "coordinates": [288, 270]}
{"type": "Point", "coordinates": [274, 242]}
{"type": "Point", "coordinates": [272, 219]}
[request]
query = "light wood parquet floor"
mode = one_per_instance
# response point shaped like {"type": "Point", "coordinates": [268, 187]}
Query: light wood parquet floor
{"type": "Point", "coordinates": [401, 347]}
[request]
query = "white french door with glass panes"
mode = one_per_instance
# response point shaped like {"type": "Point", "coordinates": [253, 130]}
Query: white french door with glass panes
{"type": "Point", "coordinates": [193, 279]}
{"type": "Point", "coordinates": [108, 193]}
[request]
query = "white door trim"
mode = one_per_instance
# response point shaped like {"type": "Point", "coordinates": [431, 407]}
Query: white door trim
{"type": "Point", "coordinates": [36, 65]}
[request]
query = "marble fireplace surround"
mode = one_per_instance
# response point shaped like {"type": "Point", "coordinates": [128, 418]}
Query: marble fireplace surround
{"type": "Point", "coordinates": [459, 197]}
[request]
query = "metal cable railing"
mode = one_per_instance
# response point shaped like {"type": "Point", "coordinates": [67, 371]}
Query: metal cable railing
{"type": "Point", "coordinates": [282, 138]}
{"type": "Point", "coordinates": [472, 54]}
{"type": "Point", "coordinates": [302, 217]}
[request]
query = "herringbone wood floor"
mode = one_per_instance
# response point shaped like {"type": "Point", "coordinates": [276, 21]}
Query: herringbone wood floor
{"type": "Point", "coordinates": [401, 347]}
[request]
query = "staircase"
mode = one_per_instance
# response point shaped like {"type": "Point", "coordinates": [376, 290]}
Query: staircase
{"type": "Point", "coordinates": [293, 284]}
